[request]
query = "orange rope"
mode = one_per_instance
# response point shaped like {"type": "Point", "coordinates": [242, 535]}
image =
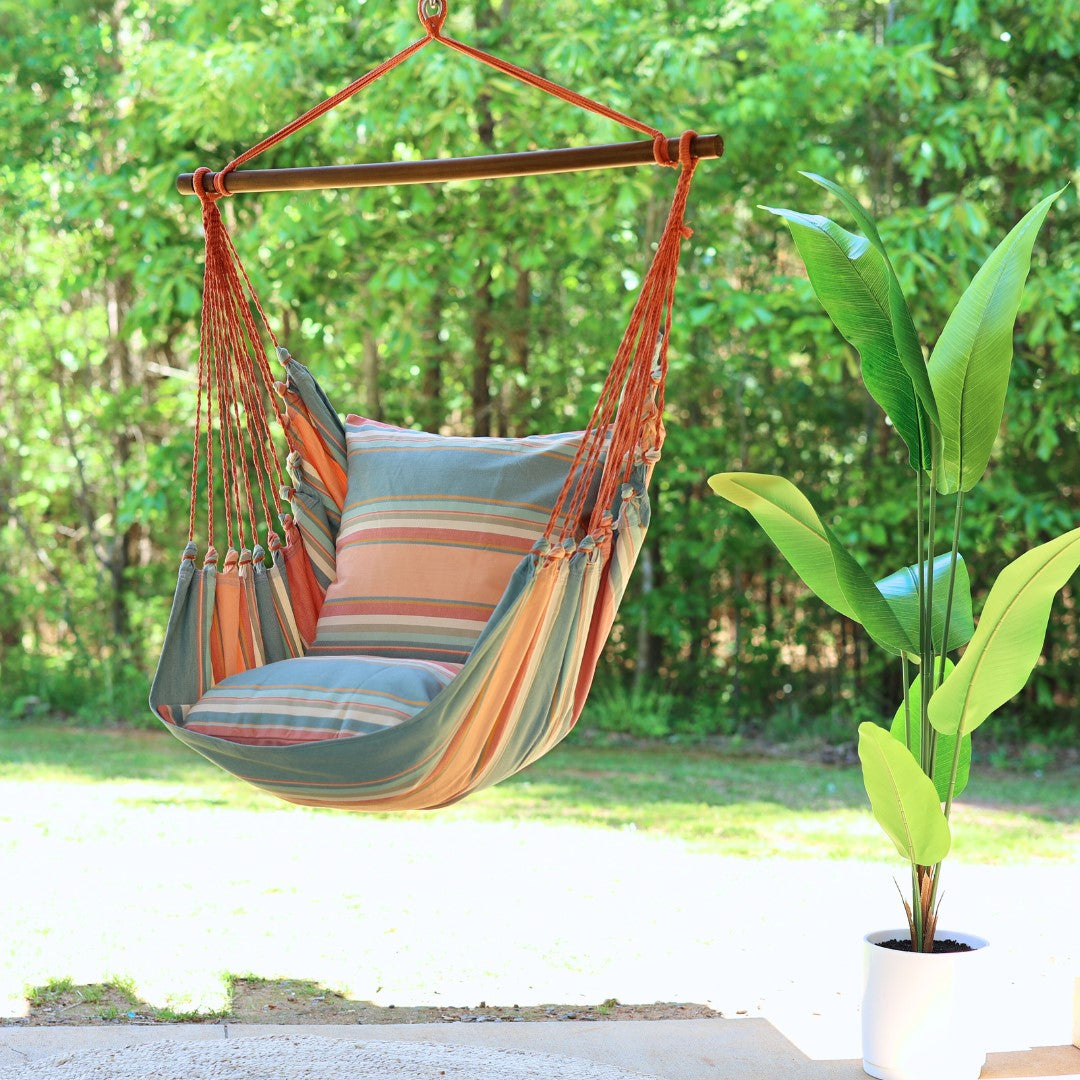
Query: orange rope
{"type": "Point", "coordinates": [203, 384]}
{"type": "Point", "coordinates": [432, 16]}
{"type": "Point", "coordinates": [235, 369]}
{"type": "Point", "coordinates": [631, 370]}
{"type": "Point", "coordinates": [232, 358]}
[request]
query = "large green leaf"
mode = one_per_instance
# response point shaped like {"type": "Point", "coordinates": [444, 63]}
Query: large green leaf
{"type": "Point", "coordinates": [908, 349]}
{"type": "Point", "coordinates": [903, 798]}
{"type": "Point", "coordinates": [851, 279]}
{"type": "Point", "coordinates": [815, 553]}
{"type": "Point", "coordinates": [901, 590]}
{"type": "Point", "coordinates": [1006, 644]}
{"type": "Point", "coordinates": [969, 367]}
{"type": "Point", "coordinates": [907, 729]}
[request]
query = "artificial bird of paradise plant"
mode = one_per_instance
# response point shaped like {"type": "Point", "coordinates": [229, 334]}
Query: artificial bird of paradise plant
{"type": "Point", "coordinates": [948, 409]}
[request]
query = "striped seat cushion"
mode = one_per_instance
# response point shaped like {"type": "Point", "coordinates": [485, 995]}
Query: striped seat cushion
{"type": "Point", "coordinates": [312, 698]}
{"type": "Point", "coordinates": [432, 529]}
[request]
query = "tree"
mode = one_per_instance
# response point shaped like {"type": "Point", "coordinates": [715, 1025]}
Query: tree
{"type": "Point", "coordinates": [495, 307]}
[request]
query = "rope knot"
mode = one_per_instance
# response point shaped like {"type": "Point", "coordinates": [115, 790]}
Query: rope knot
{"type": "Point", "coordinates": [686, 140]}
{"type": "Point", "coordinates": [662, 154]}
{"type": "Point", "coordinates": [432, 15]}
{"type": "Point", "coordinates": [660, 151]}
{"type": "Point", "coordinates": [197, 178]}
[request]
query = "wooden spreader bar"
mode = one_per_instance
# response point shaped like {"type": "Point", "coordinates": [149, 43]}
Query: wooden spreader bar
{"type": "Point", "coordinates": [439, 170]}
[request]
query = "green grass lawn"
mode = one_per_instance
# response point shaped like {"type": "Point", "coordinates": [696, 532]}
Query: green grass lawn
{"type": "Point", "coordinates": [739, 805]}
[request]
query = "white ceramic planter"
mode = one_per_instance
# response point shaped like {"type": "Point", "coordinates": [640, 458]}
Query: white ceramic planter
{"type": "Point", "coordinates": [924, 1014]}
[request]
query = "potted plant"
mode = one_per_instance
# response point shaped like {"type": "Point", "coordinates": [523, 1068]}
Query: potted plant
{"type": "Point", "coordinates": [947, 408]}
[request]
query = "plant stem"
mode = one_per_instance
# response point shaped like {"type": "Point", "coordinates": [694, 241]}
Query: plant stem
{"type": "Point", "coordinates": [904, 674]}
{"type": "Point", "coordinates": [941, 673]}
{"type": "Point", "coordinates": [932, 906]}
{"type": "Point", "coordinates": [921, 563]}
{"type": "Point", "coordinates": [957, 517]}
{"type": "Point", "coordinates": [929, 735]}
{"type": "Point", "coordinates": [916, 910]}
{"type": "Point", "coordinates": [936, 873]}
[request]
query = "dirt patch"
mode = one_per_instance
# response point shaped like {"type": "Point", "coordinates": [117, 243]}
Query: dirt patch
{"type": "Point", "coordinates": [294, 1001]}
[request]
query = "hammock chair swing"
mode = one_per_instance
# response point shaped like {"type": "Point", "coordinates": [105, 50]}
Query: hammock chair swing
{"type": "Point", "coordinates": [430, 620]}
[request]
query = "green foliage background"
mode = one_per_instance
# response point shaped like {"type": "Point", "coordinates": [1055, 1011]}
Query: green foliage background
{"type": "Point", "coordinates": [495, 307]}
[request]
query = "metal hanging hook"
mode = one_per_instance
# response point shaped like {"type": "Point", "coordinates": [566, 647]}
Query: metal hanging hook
{"type": "Point", "coordinates": [432, 14]}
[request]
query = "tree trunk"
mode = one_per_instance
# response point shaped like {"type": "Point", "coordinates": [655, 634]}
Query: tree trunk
{"type": "Point", "coordinates": [513, 397]}
{"type": "Point", "coordinates": [483, 353]}
{"type": "Point", "coordinates": [429, 410]}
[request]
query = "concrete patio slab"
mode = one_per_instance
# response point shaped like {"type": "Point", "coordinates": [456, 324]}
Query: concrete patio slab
{"type": "Point", "coordinates": [20, 1044]}
{"type": "Point", "coordinates": [751, 1049]}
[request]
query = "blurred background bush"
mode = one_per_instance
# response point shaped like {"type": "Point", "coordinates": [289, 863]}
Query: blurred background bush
{"type": "Point", "coordinates": [494, 308]}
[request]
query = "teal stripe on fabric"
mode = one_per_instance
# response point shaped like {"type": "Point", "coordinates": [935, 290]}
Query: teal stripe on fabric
{"type": "Point", "coordinates": [275, 646]}
{"type": "Point", "coordinates": [319, 528]}
{"type": "Point", "coordinates": [183, 673]}
{"type": "Point", "coordinates": [449, 505]}
{"type": "Point", "coordinates": [426, 649]}
{"type": "Point", "coordinates": [633, 525]}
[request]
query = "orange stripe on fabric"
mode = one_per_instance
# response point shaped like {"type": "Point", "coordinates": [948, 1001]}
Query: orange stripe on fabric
{"type": "Point", "coordinates": [304, 589]}
{"type": "Point", "coordinates": [313, 451]}
{"type": "Point", "coordinates": [227, 620]}
{"type": "Point", "coordinates": [551, 585]}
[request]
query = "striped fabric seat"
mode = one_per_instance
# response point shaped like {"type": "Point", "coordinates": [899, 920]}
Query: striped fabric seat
{"type": "Point", "coordinates": [432, 530]}
{"type": "Point", "coordinates": [309, 699]}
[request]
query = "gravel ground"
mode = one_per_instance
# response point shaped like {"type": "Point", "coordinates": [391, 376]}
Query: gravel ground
{"type": "Point", "coordinates": [309, 1057]}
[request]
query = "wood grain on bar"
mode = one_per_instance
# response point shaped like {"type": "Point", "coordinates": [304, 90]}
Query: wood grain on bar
{"type": "Point", "coordinates": [440, 170]}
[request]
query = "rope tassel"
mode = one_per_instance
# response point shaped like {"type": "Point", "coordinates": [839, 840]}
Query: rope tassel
{"type": "Point", "coordinates": [232, 434]}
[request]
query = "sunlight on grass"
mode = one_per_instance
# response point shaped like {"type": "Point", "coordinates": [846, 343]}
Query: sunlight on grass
{"type": "Point", "coordinates": [741, 806]}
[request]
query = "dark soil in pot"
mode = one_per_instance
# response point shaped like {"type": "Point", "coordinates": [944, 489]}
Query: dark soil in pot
{"type": "Point", "coordinates": [942, 945]}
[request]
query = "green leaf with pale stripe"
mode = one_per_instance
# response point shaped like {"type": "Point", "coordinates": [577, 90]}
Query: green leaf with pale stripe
{"type": "Point", "coordinates": [851, 279]}
{"type": "Point", "coordinates": [908, 730]}
{"type": "Point", "coordinates": [969, 367]}
{"type": "Point", "coordinates": [908, 349]}
{"type": "Point", "coordinates": [901, 590]}
{"type": "Point", "coordinates": [902, 797]}
{"type": "Point", "coordinates": [1008, 640]}
{"type": "Point", "coordinates": [815, 553]}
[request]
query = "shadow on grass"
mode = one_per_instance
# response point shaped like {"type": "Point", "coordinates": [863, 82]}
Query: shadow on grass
{"type": "Point", "coordinates": [645, 779]}
{"type": "Point", "coordinates": [575, 773]}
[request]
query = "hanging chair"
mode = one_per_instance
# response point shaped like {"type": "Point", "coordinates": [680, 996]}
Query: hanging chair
{"type": "Point", "coordinates": [430, 618]}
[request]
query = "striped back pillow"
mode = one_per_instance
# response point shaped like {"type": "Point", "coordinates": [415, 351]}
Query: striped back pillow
{"type": "Point", "coordinates": [432, 530]}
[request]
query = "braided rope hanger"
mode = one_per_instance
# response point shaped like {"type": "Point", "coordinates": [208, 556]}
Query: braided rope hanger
{"type": "Point", "coordinates": [233, 359]}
